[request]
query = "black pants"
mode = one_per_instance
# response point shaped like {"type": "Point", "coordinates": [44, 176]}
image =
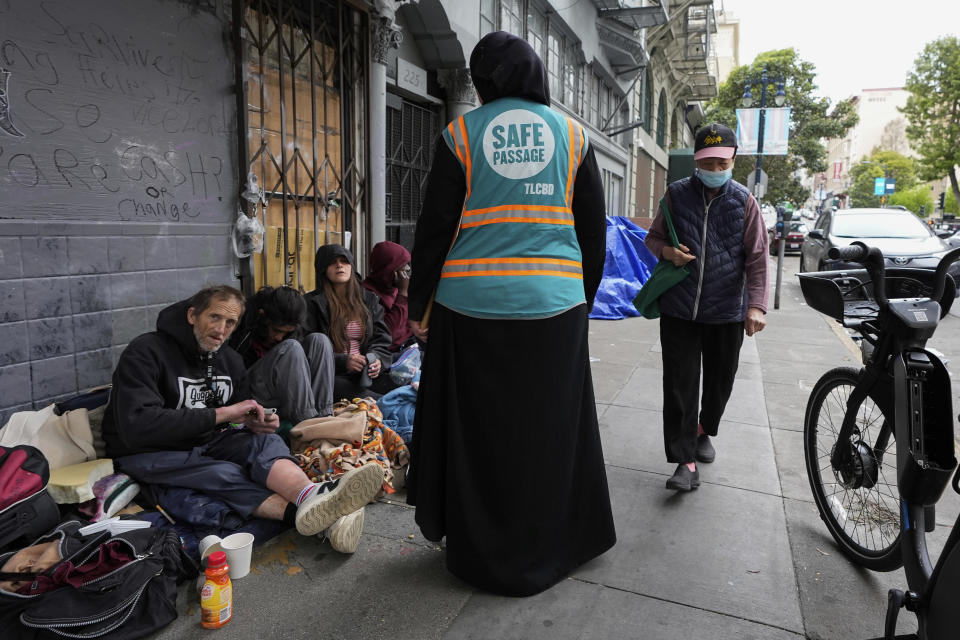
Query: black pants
{"type": "Point", "coordinates": [685, 344]}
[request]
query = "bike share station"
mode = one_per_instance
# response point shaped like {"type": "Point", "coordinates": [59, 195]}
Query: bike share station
{"type": "Point", "coordinates": [879, 441]}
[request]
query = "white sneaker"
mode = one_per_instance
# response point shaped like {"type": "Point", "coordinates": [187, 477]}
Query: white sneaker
{"type": "Point", "coordinates": [344, 534]}
{"type": "Point", "coordinates": [339, 497]}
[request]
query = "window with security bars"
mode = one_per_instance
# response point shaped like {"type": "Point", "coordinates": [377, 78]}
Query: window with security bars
{"type": "Point", "coordinates": [305, 88]}
{"type": "Point", "coordinates": [411, 132]}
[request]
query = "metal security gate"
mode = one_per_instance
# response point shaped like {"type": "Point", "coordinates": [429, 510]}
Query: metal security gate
{"type": "Point", "coordinates": [305, 86]}
{"type": "Point", "coordinates": [411, 133]}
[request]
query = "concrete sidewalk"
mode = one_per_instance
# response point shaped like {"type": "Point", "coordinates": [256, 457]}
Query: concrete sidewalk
{"type": "Point", "coordinates": [745, 556]}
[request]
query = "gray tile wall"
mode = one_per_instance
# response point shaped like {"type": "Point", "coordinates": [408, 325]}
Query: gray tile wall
{"type": "Point", "coordinates": [73, 295]}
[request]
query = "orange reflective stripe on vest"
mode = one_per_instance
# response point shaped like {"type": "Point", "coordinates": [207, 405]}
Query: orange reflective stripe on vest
{"type": "Point", "coordinates": [512, 267]}
{"type": "Point", "coordinates": [576, 156]}
{"type": "Point", "coordinates": [458, 131]}
{"type": "Point", "coordinates": [516, 213]}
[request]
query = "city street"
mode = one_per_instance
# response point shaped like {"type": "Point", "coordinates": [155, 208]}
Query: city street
{"type": "Point", "coordinates": [745, 556]}
{"type": "Point", "coordinates": [183, 178]}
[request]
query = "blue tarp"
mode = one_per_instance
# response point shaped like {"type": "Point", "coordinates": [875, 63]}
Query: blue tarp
{"type": "Point", "coordinates": [628, 265]}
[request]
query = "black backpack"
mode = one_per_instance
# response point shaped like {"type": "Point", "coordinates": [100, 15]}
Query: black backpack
{"type": "Point", "coordinates": [129, 601]}
{"type": "Point", "coordinates": [27, 510]}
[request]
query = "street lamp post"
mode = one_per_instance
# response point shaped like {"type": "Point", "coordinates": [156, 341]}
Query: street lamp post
{"type": "Point", "coordinates": [778, 99]}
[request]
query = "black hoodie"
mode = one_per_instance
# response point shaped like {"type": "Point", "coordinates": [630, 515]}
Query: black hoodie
{"type": "Point", "coordinates": [503, 64]}
{"type": "Point", "coordinates": [158, 389]}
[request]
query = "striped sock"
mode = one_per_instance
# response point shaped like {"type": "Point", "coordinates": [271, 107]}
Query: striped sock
{"type": "Point", "coordinates": [306, 492]}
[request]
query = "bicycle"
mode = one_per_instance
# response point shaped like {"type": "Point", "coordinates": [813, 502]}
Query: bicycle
{"type": "Point", "coordinates": [878, 441]}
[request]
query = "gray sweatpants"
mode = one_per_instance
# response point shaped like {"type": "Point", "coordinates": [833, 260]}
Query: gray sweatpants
{"type": "Point", "coordinates": [296, 377]}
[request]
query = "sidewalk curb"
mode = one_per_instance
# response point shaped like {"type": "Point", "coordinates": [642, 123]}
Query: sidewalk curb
{"type": "Point", "coordinates": [844, 337]}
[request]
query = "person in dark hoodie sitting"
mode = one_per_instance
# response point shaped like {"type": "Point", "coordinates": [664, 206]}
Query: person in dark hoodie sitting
{"type": "Point", "coordinates": [180, 414]}
{"type": "Point", "coordinates": [389, 278]}
{"type": "Point", "coordinates": [287, 370]}
{"type": "Point", "coordinates": [352, 318]}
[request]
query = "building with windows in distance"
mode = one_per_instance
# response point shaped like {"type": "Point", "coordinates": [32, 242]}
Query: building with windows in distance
{"type": "Point", "coordinates": [881, 126]}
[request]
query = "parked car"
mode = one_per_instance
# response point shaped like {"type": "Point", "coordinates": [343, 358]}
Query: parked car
{"type": "Point", "coordinates": [902, 237]}
{"type": "Point", "coordinates": [795, 235]}
{"type": "Point", "coordinates": [953, 239]}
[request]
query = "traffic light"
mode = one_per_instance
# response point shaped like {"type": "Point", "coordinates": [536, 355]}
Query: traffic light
{"type": "Point", "coordinates": [942, 196]}
{"type": "Point", "coordinates": [923, 210]}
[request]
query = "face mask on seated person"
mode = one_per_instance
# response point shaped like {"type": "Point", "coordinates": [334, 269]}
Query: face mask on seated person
{"type": "Point", "coordinates": [714, 179]}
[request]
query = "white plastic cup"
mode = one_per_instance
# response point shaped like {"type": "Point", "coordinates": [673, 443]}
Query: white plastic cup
{"type": "Point", "coordinates": [239, 548]}
{"type": "Point", "coordinates": [210, 544]}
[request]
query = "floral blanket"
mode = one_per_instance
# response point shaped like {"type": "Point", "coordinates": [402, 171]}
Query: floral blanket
{"type": "Point", "coordinates": [325, 459]}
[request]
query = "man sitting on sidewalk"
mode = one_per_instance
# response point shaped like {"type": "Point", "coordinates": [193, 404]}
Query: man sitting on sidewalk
{"type": "Point", "coordinates": [288, 372]}
{"type": "Point", "coordinates": [180, 414]}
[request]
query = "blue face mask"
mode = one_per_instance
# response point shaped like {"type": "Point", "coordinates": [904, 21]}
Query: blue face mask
{"type": "Point", "coordinates": [714, 179]}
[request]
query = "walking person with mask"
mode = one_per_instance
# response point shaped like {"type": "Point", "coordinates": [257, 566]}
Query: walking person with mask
{"type": "Point", "coordinates": [704, 317]}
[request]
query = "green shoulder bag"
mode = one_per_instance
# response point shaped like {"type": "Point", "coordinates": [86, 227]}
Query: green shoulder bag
{"type": "Point", "coordinates": [664, 276]}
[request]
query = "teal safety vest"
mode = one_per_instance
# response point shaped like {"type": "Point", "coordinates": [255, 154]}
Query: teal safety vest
{"type": "Point", "coordinates": [515, 254]}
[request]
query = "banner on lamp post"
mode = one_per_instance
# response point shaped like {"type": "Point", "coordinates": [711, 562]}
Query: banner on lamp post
{"type": "Point", "coordinates": [776, 131]}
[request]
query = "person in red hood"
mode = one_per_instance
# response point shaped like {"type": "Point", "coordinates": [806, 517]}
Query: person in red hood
{"type": "Point", "coordinates": [389, 278]}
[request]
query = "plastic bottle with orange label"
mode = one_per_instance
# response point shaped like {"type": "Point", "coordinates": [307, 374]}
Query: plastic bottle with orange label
{"type": "Point", "coordinates": [216, 597]}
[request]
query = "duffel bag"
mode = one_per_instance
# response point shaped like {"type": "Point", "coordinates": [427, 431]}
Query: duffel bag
{"type": "Point", "coordinates": [119, 586]}
{"type": "Point", "coordinates": [26, 508]}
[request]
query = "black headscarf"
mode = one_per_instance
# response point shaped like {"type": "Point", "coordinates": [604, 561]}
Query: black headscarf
{"type": "Point", "coordinates": [503, 65]}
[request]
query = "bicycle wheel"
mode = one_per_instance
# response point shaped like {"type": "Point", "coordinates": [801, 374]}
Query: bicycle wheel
{"type": "Point", "coordinates": [858, 501]}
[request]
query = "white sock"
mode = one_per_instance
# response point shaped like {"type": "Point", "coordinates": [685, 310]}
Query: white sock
{"type": "Point", "coordinates": [306, 492]}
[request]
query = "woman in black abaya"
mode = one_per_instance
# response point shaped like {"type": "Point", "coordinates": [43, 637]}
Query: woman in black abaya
{"type": "Point", "coordinates": [506, 455]}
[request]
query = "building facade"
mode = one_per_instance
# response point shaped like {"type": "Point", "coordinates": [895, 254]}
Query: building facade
{"type": "Point", "coordinates": [128, 133]}
{"type": "Point", "coordinates": [682, 73]}
{"type": "Point", "coordinates": [727, 44]}
{"type": "Point", "coordinates": [634, 75]}
{"type": "Point", "coordinates": [134, 136]}
{"type": "Point", "coordinates": [881, 125]}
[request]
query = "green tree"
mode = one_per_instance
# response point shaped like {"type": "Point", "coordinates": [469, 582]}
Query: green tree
{"type": "Point", "coordinates": [933, 110]}
{"type": "Point", "coordinates": [898, 167]}
{"type": "Point", "coordinates": [810, 120]}
{"type": "Point", "coordinates": [950, 205]}
{"type": "Point", "coordinates": [914, 199]}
